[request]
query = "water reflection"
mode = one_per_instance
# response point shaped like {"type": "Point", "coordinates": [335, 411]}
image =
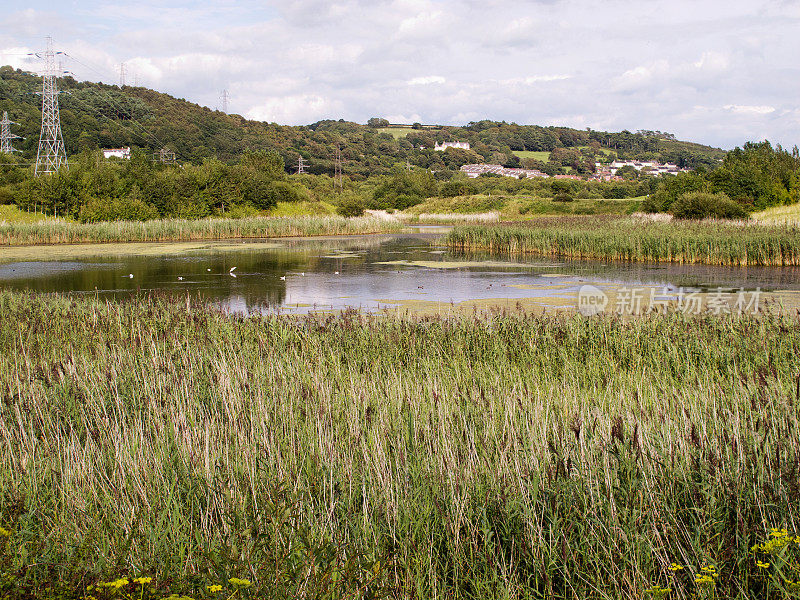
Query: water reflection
{"type": "Point", "coordinates": [361, 272]}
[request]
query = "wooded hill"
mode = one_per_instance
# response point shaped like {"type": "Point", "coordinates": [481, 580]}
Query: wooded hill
{"type": "Point", "coordinates": [96, 115]}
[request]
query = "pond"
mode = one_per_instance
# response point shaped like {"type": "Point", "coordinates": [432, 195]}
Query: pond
{"type": "Point", "coordinates": [406, 271]}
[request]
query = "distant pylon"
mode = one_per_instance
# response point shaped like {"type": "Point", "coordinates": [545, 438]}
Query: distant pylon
{"type": "Point", "coordinates": [224, 97]}
{"type": "Point", "coordinates": [123, 71]}
{"type": "Point", "coordinates": [338, 180]}
{"type": "Point", "coordinates": [51, 155]}
{"type": "Point", "coordinates": [6, 136]}
{"type": "Point", "coordinates": [301, 165]}
{"type": "Point", "coordinates": [164, 156]}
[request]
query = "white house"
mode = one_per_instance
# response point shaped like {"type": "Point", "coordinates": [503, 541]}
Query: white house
{"type": "Point", "coordinates": [124, 153]}
{"type": "Point", "coordinates": [445, 145]}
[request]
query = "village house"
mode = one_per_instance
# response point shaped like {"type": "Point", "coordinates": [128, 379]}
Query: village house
{"type": "Point", "coordinates": [445, 145]}
{"type": "Point", "coordinates": [473, 171]}
{"type": "Point", "coordinates": [124, 153]}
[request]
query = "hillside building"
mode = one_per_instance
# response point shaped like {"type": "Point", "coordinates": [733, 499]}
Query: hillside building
{"type": "Point", "coordinates": [123, 153]}
{"type": "Point", "coordinates": [445, 145]}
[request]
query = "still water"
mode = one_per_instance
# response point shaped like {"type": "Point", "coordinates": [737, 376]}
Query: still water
{"type": "Point", "coordinates": [364, 272]}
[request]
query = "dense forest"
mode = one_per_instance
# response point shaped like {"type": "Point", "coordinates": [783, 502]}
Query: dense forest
{"type": "Point", "coordinates": [96, 115]}
{"type": "Point", "coordinates": [230, 165]}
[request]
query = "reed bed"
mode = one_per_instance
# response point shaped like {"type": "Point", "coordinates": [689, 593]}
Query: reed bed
{"type": "Point", "coordinates": [163, 230]}
{"type": "Point", "coordinates": [359, 456]}
{"type": "Point", "coordinates": [637, 239]}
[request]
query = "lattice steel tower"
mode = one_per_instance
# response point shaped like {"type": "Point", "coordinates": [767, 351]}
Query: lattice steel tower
{"type": "Point", "coordinates": [51, 155]}
{"type": "Point", "coordinates": [224, 99]}
{"type": "Point", "coordinates": [6, 136]}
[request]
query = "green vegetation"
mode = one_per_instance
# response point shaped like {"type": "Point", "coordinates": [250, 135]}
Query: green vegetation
{"type": "Point", "coordinates": [105, 116]}
{"type": "Point", "coordinates": [11, 214]}
{"type": "Point", "coordinates": [614, 238]}
{"type": "Point", "coordinates": [53, 232]}
{"type": "Point", "coordinates": [357, 456]}
{"type": "Point", "coordinates": [540, 156]}
{"type": "Point", "coordinates": [522, 207]}
{"type": "Point", "coordinates": [396, 132]}
{"type": "Point", "coordinates": [756, 176]}
{"type": "Point", "coordinates": [777, 215]}
{"type": "Point", "coordinates": [701, 205]}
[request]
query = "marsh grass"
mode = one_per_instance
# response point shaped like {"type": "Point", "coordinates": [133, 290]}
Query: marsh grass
{"type": "Point", "coordinates": [638, 239]}
{"type": "Point", "coordinates": [188, 230]}
{"type": "Point", "coordinates": [361, 456]}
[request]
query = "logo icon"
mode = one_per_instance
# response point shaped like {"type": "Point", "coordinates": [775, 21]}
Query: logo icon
{"type": "Point", "coordinates": [591, 300]}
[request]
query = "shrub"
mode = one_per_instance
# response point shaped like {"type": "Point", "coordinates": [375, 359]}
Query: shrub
{"type": "Point", "coordinates": [563, 197]}
{"type": "Point", "coordinates": [701, 205]}
{"type": "Point", "coordinates": [451, 189]}
{"type": "Point", "coordinates": [350, 205]}
{"type": "Point", "coordinates": [130, 208]}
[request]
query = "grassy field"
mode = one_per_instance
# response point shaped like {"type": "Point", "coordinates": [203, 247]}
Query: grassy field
{"type": "Point", "coordinates": [635, 238]}
{"type": "Point", "coordinates": [396, 132]}
{"type": "Point", "coordinates": [542, 156]}
{"type": "Point", "coordinates": [518, 207]}
{"type": "Point", "coordinates": [777, 215]}
{"type": "Point", "coordinates": [11, 214]}
{"type": "Point", "coordinates": [189, 230]}
{"type": "Point", "coordinates": [365, 457]}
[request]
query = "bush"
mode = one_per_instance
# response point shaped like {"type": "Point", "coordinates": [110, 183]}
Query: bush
{"type": "Point", "coordinates": [563, 197]}
{"type": "Point", "coordinates": [130, 208]}
{"type": "Point", "coordinates": [701, 205]}
{"type": "Point", "coordinates": [451, 189]}
{"type": "Point", "coordinates": [350, 205]}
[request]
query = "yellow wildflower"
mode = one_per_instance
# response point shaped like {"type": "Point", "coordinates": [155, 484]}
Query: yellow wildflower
{"type": "Point", "coordinates": [762, 565]}
{"type": "Point", "coordinates": [675, 567]}
{"type": "Point", "coordinates": [214, 588]}
{"type": "Point", "coordinates": [704, 579]}
{"type": "Point", "coordinates": [657, 591]}
{"type": "Point", "coordinates": [4, 532]}
{"type": "Point", "coordinates": [143, 580]}
{"type": "Point", "coordinates": [239, 582]}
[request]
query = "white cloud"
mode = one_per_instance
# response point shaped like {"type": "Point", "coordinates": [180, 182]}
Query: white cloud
{"type": "Point", "coordinates": [431, 79]}
{"type": "Point", "coordinates": [749, 110]}
{"type": "Point", "coordinates": [716, 72]}
{"type": "Point", "coordinates": [298, 109]}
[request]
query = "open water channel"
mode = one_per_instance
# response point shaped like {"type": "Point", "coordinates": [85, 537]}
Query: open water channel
{"type": "Point", "coordinates": [396, 271]}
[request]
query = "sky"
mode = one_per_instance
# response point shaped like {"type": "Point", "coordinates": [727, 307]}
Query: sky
{"type": "Point", "coordinates": [716, 72]}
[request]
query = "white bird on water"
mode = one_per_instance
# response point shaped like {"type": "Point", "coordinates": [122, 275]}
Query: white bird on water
{"type": "Point", "coordinates": [336, 273]}
{"type": "Point", "coordinates": [130, 276]}
{"type": "Point", "coordinates": [283, 278]}
{"type": "Point", "coordinates": [180, 278]}
{"type": "Point", "coordinates": [209, 270]}
{"type": "Point", "coordinates": [231, 272]}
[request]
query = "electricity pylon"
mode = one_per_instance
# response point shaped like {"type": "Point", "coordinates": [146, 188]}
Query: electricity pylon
{"type": "Point", "coordinates": [51, 155]}
{"type": "Point", "coordinates": [301, 165]}
{"type": "Point", "coordinates": [6, 136]}
{"type": "Point", "coordinates": [164, 156]}
{"type": "Point", "coordinates": [224, 97]}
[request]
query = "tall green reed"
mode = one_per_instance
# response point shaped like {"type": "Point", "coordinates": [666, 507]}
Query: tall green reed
{"type": "Point", "coordinates": [637, 239]}
{"type": "Point", "coordinates": [188, 230]}
{"type": "Point", "coordinates": [356, 455]}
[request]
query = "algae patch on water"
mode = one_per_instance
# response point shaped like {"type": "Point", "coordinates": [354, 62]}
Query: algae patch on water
{"type": "Point", "coordinates": [77, 251]}
{"type": "Point", "coordinates": [466, 264]}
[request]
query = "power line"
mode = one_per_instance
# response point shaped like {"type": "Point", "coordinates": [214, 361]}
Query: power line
{"type": "Point", "coordinates": [123, 71]}
{"type": "Point", "coordinates": [51, 155]}
{"type": "Point", "coordinates": [301, 166]}
{"type": "Point", "coordinates": [153, 139]}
